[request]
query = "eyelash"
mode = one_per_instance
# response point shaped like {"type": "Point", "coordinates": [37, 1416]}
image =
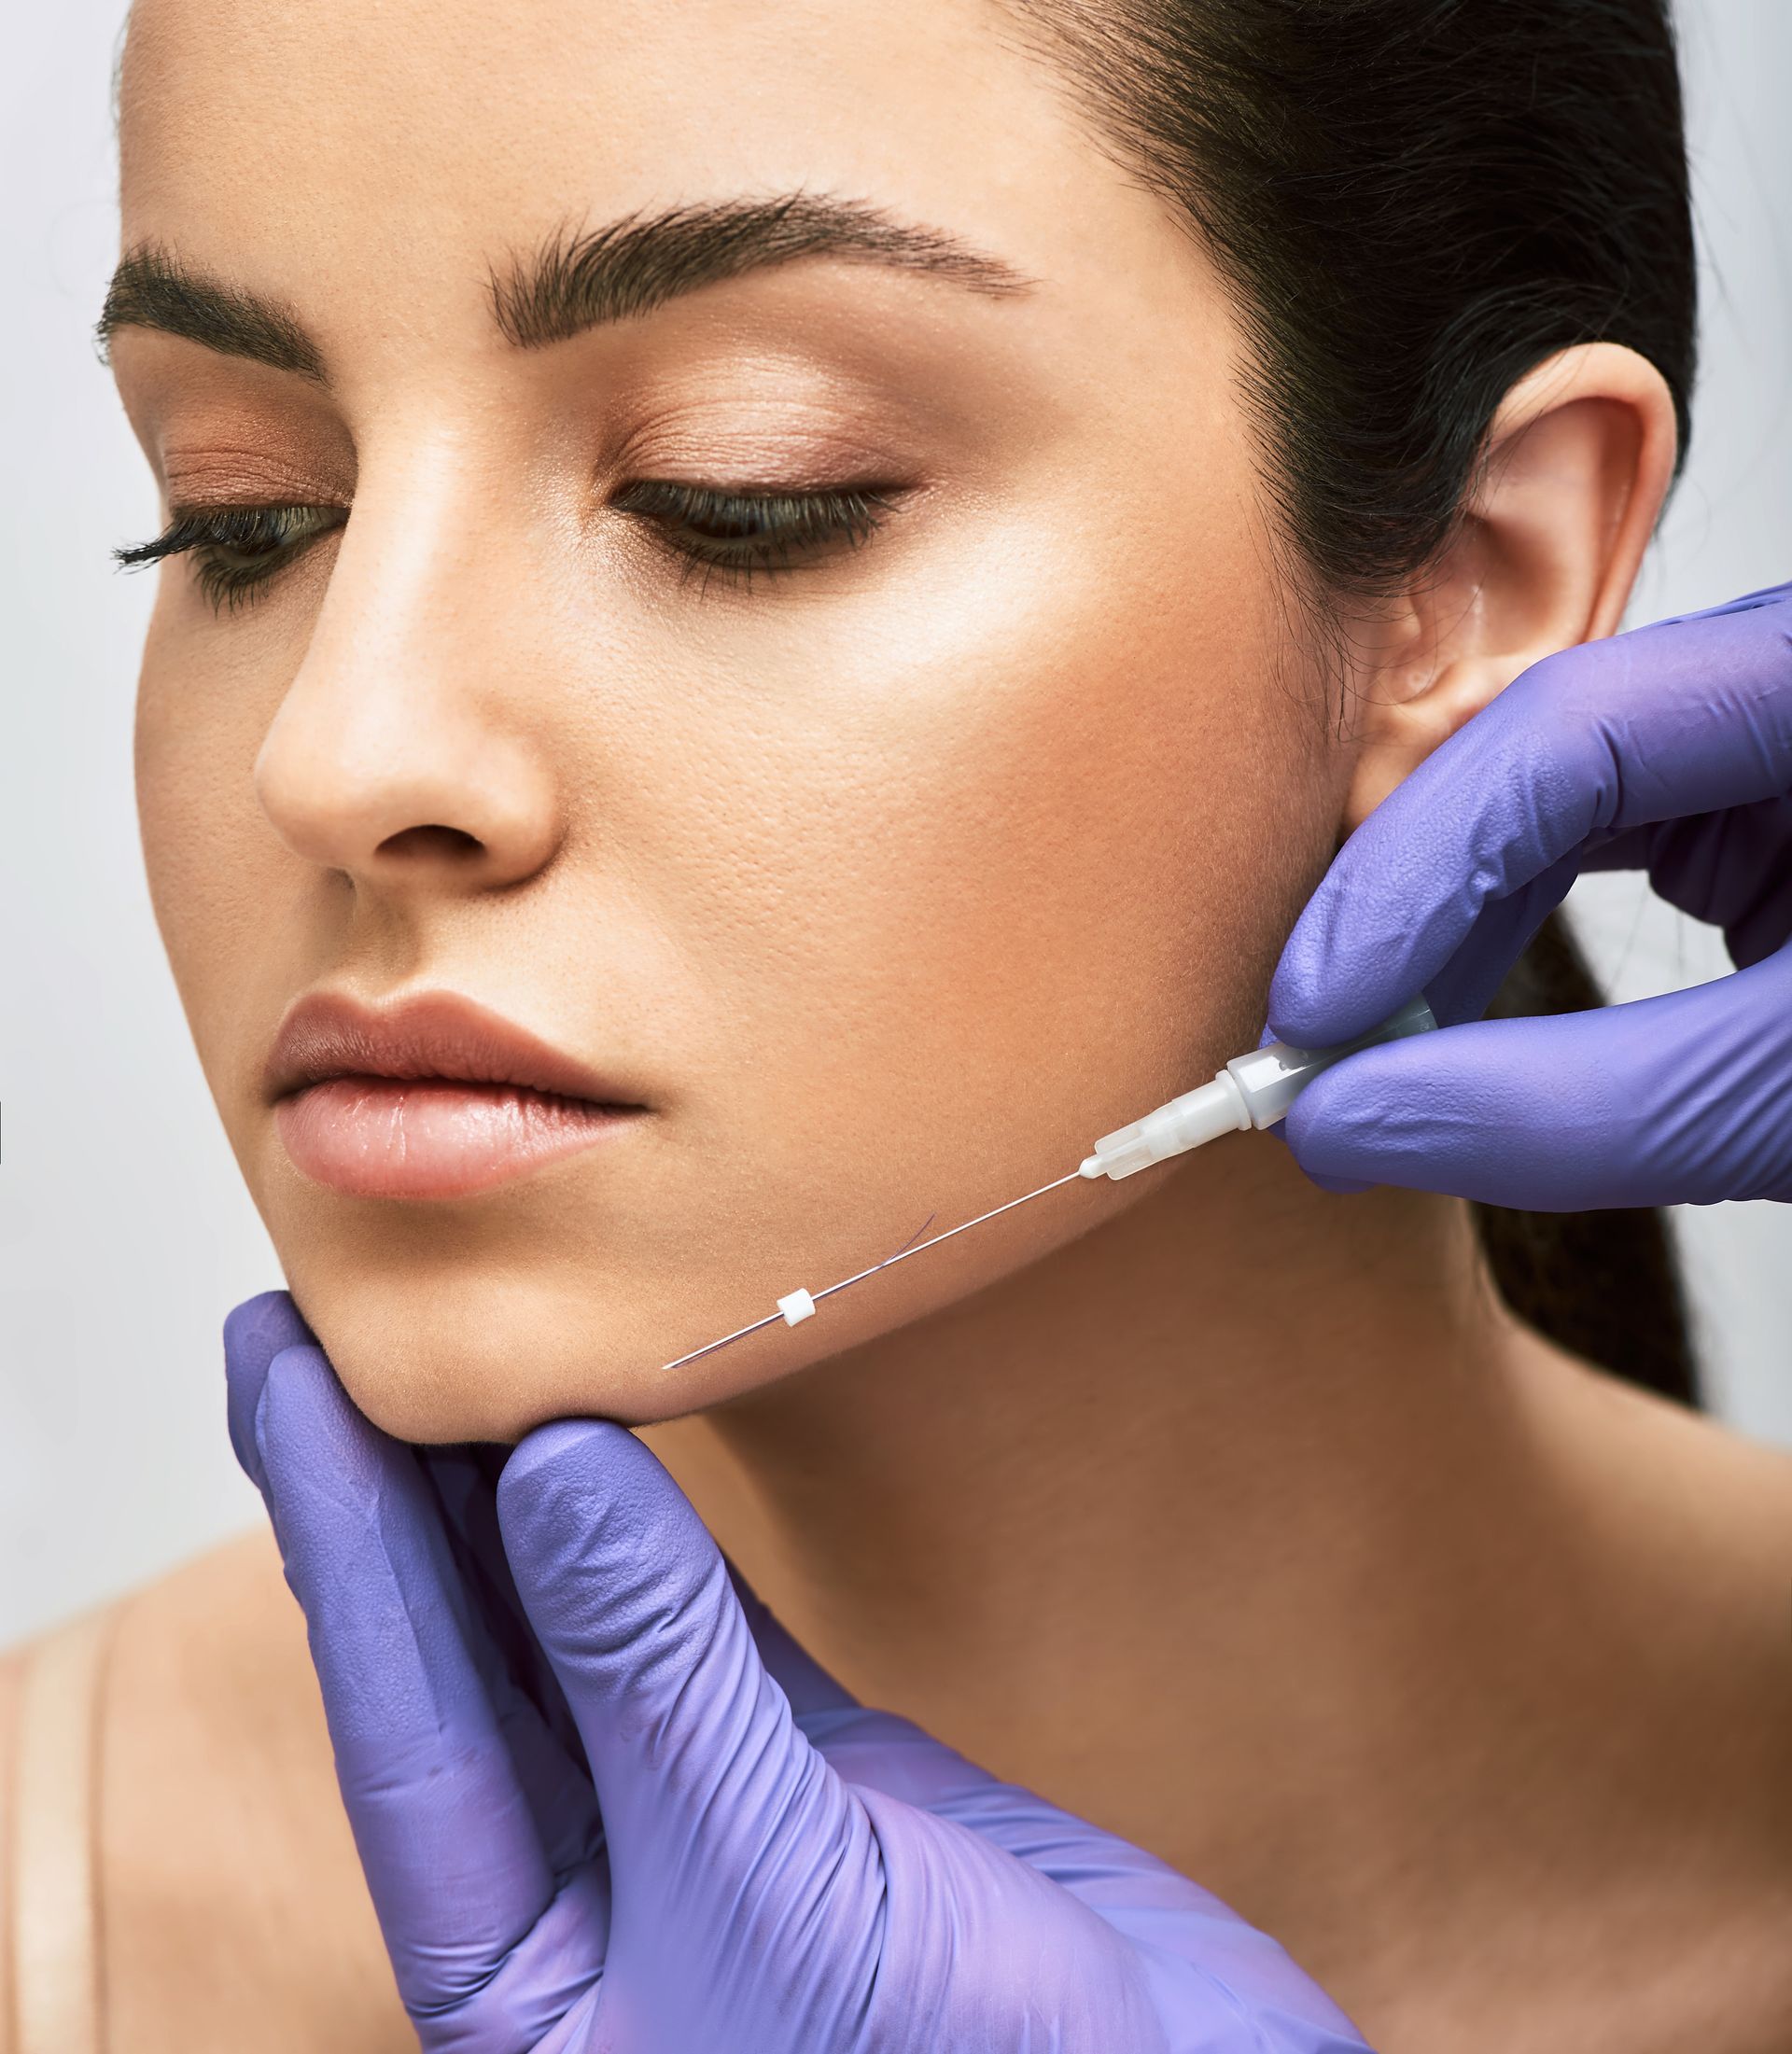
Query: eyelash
{"type": "Point", "coordinates": [739, 535]}
{"type": "Point", "coordinates": [269, 538]}
{"type": "Point", "coordinates": [239, 550]}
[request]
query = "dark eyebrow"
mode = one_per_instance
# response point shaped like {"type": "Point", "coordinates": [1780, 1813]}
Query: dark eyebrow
{"type": "Point", "coordinates": [579, 279]}
{"type": "Point", "coordinates": [151, 288]}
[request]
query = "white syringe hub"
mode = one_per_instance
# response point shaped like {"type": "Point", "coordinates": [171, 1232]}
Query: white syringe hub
{"type": "Point", "coordinates": [1251, 1091]}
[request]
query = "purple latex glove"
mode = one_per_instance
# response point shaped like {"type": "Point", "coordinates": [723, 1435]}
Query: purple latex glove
{"type": "Point", "coordinates": [604, 1802]}
{"type": "Point", "coordinates": [1670, 749]}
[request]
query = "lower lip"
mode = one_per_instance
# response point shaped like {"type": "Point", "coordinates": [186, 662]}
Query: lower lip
{"type": "Point", "coordinates": [434, 1137]}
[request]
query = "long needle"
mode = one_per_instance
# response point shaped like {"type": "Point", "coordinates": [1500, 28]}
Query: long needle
{"type": "Point", "coordinates": [740, 1333]}
{"type": "Point", "coordinates": [902, 1255]}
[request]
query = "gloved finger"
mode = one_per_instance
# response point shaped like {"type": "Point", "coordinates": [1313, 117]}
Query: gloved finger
{"type": "Point", "coordinates": [1732, 868]}
{"type": "Point", "coordinates": [1689, 715]}
{"type": "Point", "coordinates": [444, 1816]}
{"type": "Point", "coordinates": [1675, 1100]}
{"type": "Point", "coordinates": [1343, 1187]}
{"type": "Point", "coordinates": [873, 1749]}
{"type": "Point", "coordinates": [1157, 1910]}
{"type": "Point", "coordinates": [878, 1751]}
{"type": "Point", "coordinates": [1465, 987]}
{"type": "Point", "coordinates": [463, 1479]}
{"type": "Point", "coordinates": [712, 1796]}
{"type": "Point", "coordinates": [255, 1332]}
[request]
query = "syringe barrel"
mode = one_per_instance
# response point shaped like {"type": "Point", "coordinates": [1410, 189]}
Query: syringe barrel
{"type": "Point", "coordinates": [1271, 1079]}
{"type": "Point", "coordinates": [1254, 1090]}
{"type": "Point", "coordinates": [1199, 1116]}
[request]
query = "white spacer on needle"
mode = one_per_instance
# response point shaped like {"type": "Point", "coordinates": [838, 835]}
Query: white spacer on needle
{"type": "Point", "coordinates": [799, 1306]}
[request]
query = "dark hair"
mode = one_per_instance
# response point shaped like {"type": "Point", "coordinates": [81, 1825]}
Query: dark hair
{"type": "Point", "coordinates": [1415, 202]}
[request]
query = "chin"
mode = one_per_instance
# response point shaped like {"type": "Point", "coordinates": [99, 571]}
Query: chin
{"type": "Point", "coordinates": [488, 1355]}
{"type": "Point", "coordinates": [484, 1347]}
{"type": "Point", "coordinates": [483, 1320]}
{"type": "Point", "coordinates": [486, 1358]}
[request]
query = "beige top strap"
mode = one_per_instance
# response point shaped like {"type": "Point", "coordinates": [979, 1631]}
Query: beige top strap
{"type": "Point", "coordinates": [52, 1905]}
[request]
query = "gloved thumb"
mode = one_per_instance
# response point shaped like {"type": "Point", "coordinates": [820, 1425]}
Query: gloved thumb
{"type": "Point", "coordinates": [1675, 1100]}
{"type": "Point", "coordinates": [704, 1777]}
{"type": "Point", "coordinates": [254, 1332]}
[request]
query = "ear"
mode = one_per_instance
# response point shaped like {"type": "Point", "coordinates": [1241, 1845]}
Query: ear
{"type": "Point", "coordinates": [1575, 467]}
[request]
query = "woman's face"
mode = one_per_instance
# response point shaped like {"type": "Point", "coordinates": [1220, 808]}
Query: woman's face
{"type": "Point", "coordinates": [881, 877]}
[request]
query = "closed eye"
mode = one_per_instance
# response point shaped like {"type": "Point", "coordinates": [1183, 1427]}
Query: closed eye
{"type": "Point", "coordinates": [742, 534]}
{"type": "Point", "coordinates": [737, 536]}
{"type": "Point", "coordinates": [237, 550]}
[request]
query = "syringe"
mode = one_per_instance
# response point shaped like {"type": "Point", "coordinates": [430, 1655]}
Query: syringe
{"type": "Point", "coordinates": [1254, 1090]}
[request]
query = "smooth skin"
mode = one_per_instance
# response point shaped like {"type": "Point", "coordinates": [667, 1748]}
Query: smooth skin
{"type": "Point", "coordinates": [1472, 1657]}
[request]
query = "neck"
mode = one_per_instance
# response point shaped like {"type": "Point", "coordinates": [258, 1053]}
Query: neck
{"type": "Point", "coordinates": [1219, 1475]}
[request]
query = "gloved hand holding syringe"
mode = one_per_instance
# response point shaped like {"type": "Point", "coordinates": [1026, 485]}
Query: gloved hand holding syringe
{"type": "Point", "coordinates": [1254, 1090]}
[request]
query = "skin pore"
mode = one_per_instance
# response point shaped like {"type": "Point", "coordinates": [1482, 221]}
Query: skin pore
{"type": "Point", "coordinates": [1233, 1515]}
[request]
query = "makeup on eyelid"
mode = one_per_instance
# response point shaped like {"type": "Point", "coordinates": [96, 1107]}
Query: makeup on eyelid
{"type": "Point", "coordinates": [238, 551]}
{"type": "Point", "coordinates": [736, 491]}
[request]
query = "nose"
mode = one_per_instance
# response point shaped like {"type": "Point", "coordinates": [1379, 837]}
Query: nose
{"type": "Point", "coordinates": [408, 751]}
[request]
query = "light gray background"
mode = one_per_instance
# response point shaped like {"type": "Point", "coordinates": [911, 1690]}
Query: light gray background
{"type": "Point", "coordinates": [124, 1231]}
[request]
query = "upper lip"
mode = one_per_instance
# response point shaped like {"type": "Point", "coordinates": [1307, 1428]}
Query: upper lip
{"type": "Point", "coordinates": [430, 1034]}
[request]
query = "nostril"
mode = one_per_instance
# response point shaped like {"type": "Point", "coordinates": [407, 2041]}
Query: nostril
{"type": "Point", "coordinates": [432, 840]}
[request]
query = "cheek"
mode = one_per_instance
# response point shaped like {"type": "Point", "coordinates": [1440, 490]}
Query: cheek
{"type": "Point", "coordinates": [219, 881]}
{"type": "Point", "coordinates": [1046, 842]}
{"type": "Point", "coordinates": [991, 881]}
{"type": "Point", "coordinates": [899, 919]}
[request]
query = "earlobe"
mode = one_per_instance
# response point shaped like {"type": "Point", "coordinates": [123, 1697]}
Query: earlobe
{"type": "Point", "coordinates": [1575, 467]}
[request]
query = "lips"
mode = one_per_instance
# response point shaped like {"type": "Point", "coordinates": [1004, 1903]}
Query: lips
{"type": "Point", "coordinates": [433, 1097]}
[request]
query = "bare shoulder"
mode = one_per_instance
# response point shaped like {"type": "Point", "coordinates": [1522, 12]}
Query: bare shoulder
{"type": "Point", "coordinates": [234, 1913]}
